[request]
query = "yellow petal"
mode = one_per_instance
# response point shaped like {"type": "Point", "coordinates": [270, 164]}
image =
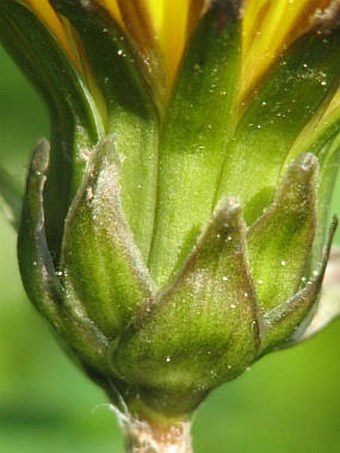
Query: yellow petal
{"type": "Point", "coordinates": [68, 39]}
{"type": "Point", "coordinates": [112, 7]}
{"type": "Point", "coordinates": [328, 115]}
{"type": "Point", "coordinates": [157, 24]}
{"type": "Point", "coordinates": [50, 19]}
{"type": "Point", "coordinates": [333, 106]}
{"type": "Point", "coordinates": [138, 22]}
{"type": "Point", "coordinates": [268, 27]}
{"type": "Point", "coordinates": [161, 26]}
{"type": "Point", "coordinates": [171, 31]}
{"type": "Point", "coordinates": [173, 22]}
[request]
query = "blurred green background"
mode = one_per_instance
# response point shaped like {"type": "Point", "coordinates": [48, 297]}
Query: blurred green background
{"type": "Point", "coordinates": [288, 402]}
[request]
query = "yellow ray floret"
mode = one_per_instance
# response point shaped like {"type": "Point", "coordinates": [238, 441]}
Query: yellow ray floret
{"type": "Point", "coordinates": [43, 10]}
{"type": "Point", "coordinates": [160, 24]}
{"type": "Point", "coordinates": [171, 27]}
{"type": "Point", "coordinates": [173, 22]}
{"type": "Point", "coordinates": [161, 28]}
{"type": "Point", "coordinates": [68, 40]}
{"type": "Point", "coordinates": [268, 27]}
{"type": "Point", "coordinates": [112, 7]}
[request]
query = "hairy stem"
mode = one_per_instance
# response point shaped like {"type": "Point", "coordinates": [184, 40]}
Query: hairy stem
{"type": "Point", "coordinates": [142, 436]}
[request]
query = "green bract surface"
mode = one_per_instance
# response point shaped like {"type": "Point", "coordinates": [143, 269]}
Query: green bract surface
{"type": "Point", "coordinates": [172, 238]}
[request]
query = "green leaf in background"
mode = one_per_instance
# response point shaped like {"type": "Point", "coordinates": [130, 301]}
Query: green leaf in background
{"type": "Point", "coordinates": [11, 198]}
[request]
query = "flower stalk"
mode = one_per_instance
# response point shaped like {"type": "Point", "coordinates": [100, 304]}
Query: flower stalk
{"type": "Point", "coordinates": [146, 437]}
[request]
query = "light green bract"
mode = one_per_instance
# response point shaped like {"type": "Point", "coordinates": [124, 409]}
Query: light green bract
{"type": "Point", "coordinates": [177, 238]}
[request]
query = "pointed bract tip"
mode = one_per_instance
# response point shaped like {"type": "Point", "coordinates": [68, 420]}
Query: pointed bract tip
{"type": "Point", "coordinates": [40, 160]}
{"type": "Point", "coordinates": [304, 168]}
{"type": "Point", "coordinates": [227, 209]}
{"type": "Point", "coordinates": [307, 162]}
{"type": "Point", "coordinates": [327, 19]}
